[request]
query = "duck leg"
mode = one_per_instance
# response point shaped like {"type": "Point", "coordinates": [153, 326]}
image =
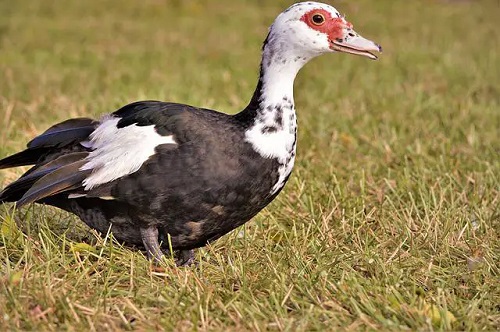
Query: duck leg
{"type": "Point", "coordinates": [185, 257]}
{"type": "Point", "coordinates": [149, 238]}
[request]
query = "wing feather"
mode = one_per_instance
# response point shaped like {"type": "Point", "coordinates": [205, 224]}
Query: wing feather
{"type": "Point", "coordinates": [17, 189]}
{"type": "Point", "coordinates": [57, 136]}
{"type": "Point", "coordinates": [63, 133]}
{"type": "Point", "coordinates": [68, 177]}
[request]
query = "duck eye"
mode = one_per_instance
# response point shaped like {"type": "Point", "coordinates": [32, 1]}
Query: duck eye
{"type": "Point", "coordinates": [318, 19]}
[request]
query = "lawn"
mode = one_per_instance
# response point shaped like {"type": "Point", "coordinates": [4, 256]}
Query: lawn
{"type": "Point", "coordinates": [391, 219]}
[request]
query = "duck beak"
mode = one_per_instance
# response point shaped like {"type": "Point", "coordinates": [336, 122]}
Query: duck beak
{"type": "Point", "coordinates": [355, 44]}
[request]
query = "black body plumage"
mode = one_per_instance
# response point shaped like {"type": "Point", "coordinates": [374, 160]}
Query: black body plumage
{"type": "Point", "coordinates": [209, 183]}
{"type": "Point", "coordinates": [196, 191]}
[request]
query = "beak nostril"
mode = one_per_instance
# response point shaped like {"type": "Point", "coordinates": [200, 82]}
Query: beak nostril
{"type": "Point", "coordinates": [351, 34]}
{"type": "Point", "coordinates": [379, 48]}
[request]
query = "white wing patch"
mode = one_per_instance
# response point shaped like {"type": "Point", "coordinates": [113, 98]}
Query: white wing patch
{"type": "Point", "coordinates": [119, 151]}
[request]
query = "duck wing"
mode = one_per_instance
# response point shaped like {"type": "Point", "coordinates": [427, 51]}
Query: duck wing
{"type": "Point", "coordinates": [83, 157]}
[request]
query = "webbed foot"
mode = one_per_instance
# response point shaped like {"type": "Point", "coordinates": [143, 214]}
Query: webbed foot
{"type": "Point", "coordinates": [185, 258]}
{"type": "Point", "coordinates": [149, 238]}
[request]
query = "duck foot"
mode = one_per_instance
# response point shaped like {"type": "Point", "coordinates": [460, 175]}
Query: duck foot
{"type": "Point", "coordinates": [149, 238]}
{"type": "Point", "coordinates": [185, 258]}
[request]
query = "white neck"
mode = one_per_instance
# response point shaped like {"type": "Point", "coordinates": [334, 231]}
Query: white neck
{"type": "Point", "coordinates": [279, 69]}
{"type": "Point", "coordinates": [273, 132]}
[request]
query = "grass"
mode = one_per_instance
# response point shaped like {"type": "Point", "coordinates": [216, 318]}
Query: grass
{"type": "Point", "coordinates": [389, 221]}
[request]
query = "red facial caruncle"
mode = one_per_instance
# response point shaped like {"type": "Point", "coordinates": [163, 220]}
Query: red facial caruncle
{"type": "Point", "coordinates": [322, 21]}
{"type": "Point", "coordinates": [341, 36]}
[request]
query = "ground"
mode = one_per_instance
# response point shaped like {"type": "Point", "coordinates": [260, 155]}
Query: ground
{"type": "Point", "coordinates": [390, 219]}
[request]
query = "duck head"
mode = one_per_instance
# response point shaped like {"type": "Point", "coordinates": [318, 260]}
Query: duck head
{"type": "Point", "coordinates": [310, 29]}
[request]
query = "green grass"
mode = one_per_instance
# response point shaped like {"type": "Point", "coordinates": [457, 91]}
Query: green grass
{"type": "Point", "coordinates": [389, 221]}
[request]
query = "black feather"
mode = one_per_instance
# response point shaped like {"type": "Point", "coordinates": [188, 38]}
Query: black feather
{"type": "Point", "coordinates": [58, 163]}
{"type": "Point", "coordinates": [59, 135]}
{"type": "Point", "coordinates": [62, 135]}
{"type": "Point", "coordinates": [23, 158]}
{"type": "Point", "coordinates": [64, 178]}
{"type": "Point", "coordinates": [17, 189]}
{"type": "Point", "coordinates": [70, 123]}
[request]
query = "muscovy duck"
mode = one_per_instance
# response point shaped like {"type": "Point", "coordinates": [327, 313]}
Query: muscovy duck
{"type": "Point", "coordinates": [163, 174]}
